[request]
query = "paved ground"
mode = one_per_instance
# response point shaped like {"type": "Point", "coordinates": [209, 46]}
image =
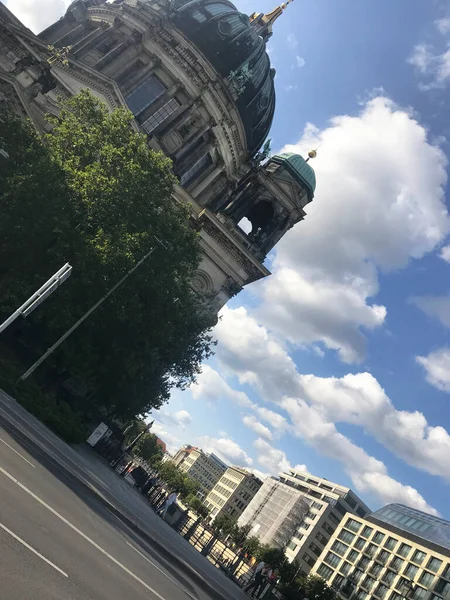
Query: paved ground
{"type": "Point", "coordinates": [57, 539]}
{"type": "Point", "coordinates": [53, 545]}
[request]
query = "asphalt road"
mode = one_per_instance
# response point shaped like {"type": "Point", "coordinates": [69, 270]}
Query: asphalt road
{"type": "Point", "coordinates": [55, 545]}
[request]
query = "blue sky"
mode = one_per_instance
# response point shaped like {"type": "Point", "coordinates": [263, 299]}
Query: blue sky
{"type": "Point", "coordinates": [340, 361]}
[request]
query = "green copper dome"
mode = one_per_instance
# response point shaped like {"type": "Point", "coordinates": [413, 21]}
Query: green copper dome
{"type": "Point", "coordinates": [300, 169]}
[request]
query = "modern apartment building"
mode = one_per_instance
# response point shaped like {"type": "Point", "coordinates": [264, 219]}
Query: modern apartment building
{"type": "Point", "coordinates": [275, 512]}
{"type": "Point", "coordinates": [206, 469]}
{"type": "Point", "coordinates": [329, 504]}
{"type": "Point", "coordinates": [396, 553]}
{"type": "Point", "coordinates": [232, 493]}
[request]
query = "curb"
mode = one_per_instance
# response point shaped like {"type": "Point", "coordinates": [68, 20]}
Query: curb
{"type": "Point", "coordinates": [21, 436]}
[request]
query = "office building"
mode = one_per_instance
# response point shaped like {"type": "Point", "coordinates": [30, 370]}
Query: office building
{"type": "Point", "coordinates": [204, 468]}
{"type": "Point", "coordinates": [232, 493]}
{"type": "Point", "coordinates": [330, 503]}
{"type": "Point", "coordinates": [274, 513]}
{"type": "Point", "coordinates": [396, 553]}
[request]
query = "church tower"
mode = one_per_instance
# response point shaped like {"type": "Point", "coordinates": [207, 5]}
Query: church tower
{"type": "Point", "coordinates": [197, 77]}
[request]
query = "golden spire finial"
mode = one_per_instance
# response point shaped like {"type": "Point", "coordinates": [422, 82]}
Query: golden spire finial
{"type": "Point", "coordinates": [265, 22]}
{"type": "Point", "coordinates": [312, 154]}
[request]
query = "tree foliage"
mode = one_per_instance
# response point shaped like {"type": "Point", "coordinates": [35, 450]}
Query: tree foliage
{"type": "Point", "coordinates": [311, 587]}
{"type": "Point", "coordinates": [148, 448]}
{"type": "Point", "coordinates": [197, 505]}
{"type": "Point", "coordinates": [174, 479]}
{"type": "Point", "coordinates": [92, 193]}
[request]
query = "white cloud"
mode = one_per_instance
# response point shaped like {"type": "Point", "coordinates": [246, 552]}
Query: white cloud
{"type": "Point", "coordinates": [252, 423]}
{"type": "Point", "coordinates": [445, 253]}
{"type": "Point", "coordinates": [435, 306]}
{"type": "Point", "coordinates": [226, 449]}
{"type": "Point", "coordinates": [172, 441]}
{"type": "Point", "coordinates": [379, 203]}
{"type": "Point", "coordinates": [211, 386]}
{"type": "Point", "coordinates": [433, 64]}
{"type": "Point", "coordinates": [179, 419]}
{"type": "Point", "coordinates": [292, 41]}
{"type": "Point", "coordinates": [275, 420]}
{"type": "Point", "coordinates": [437, 368]}
{"type": "Point", "coordinates": [313, 403]}
{"type": "Point", "coordinates": [300, 61]}
{"type": "Point", "coordinates": [272, 459]}
{"type": "Point", "coordinates": [37, 15]}
{"type": "Point", "coordinates": [443, 25]}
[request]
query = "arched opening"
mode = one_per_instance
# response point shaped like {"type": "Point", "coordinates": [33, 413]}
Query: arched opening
{"type": "Point", "coordinates": [261, 216]}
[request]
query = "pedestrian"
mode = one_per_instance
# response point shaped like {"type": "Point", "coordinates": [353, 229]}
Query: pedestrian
{"type": "Point", "coordinates": [171, 498]}
{"type": "Point", "coordinates": [257, 578]}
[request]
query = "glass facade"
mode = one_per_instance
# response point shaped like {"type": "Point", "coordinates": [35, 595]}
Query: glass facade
{"type": "Point", "coordinates": [428, 527]}
{"type": "Point", "coordinates": [160, 115]}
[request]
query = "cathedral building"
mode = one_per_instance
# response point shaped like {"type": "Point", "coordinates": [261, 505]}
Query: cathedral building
{"type": "Point", "coordinates": [198, 79]}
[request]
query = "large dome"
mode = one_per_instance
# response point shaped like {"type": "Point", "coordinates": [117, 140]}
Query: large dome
{"type": "Point", "coordinates": [232, 45]}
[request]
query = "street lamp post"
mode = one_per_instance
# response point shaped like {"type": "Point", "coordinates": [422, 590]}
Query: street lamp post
{"type": "Point", "coordinates": [87, 314]}
{"type": "Point", "coordinates": [38, 297]}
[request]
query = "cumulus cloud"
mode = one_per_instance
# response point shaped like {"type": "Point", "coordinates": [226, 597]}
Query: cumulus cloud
{"type": "Point", "coordinates": [226, 449]}
{"type": "Point", "coordinates": [252, 423]}
{"type": "Point", "coordinates": [273, 459]}
{"type": "Point", "coordinates": [443, 25]}
{"type": "Point", "coordinates": [292, 41]}
{"type": "Point", "coordinates": [38, 15]}
{"type": "Point", "coordinates": [300, 62]}
{"type": "Point", "coordinates": [211, 386]}
{"type": "Point", "coordinates": [179, 419]}
{"type": "Point", "coordinates": [437, 368]}
{"type": "Point", "coordinates": [314, 404]}
{"type": "Point", "coordinates": [172, 441]}
{"type": "Point", "coordinates": [435, 306]}
{"type": "Point", "coordinates": [379, 203]}
{"type": "Point", "coordinates": [433, 61]}
{"type": "Point", "coordinates": [445, 253]}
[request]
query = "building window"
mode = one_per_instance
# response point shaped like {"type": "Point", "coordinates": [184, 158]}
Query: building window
{"type": "Point", "coordinates": [346, 536]}
{"type": "Point", "coordinates": [368, 583]}
{"type": "Point", "coordinates": [350, 501]}
{"type": "Point", "coordinates": [353, 525]}
{"type": "Point", "coordinates": [161, 115]}
{"type": "Point", "coordinates": [360, 595]}
{"type": "Point", "coordinates": [339, 548]}
{"type": "Point", "coordinates": [324, 572]}
{"type": "Point", "coordinates": [396, 564]}
{"type": "Point", "coordinates": [345, 568]}
{"type": "Point", "coordinates": [353, 555]}
{"type": "Point", "coordinates": [361, 512]}
{"type": "Point", "coordinates": [390, 543]}
{"type": "Point", "coordinates": [410, 571]}
{"type": "Point", "coordinates": [337, 582]}
{"type": "Point", "coordinates": [383, 557]}
{"type": "Point", "coordinates": [404, 550]}
{"type": "Point", "coordinates": [388, 578]}
{"type": "Point", "coordinates": [340, 508]}
{"type": "Point", "coordinates": [378, 537]}
{"type": "Point", "coordinates": [330, 529]}
{"type": "Point", "coordinates": [332, 559]}
{"type": "Point", "coordinates": [443, 588]}
{"type": "Point", "coordinates": [426, 579]}
{"type": "Point", "coordinates": [446, 572]}
{"type": "Point", "coordinates": [381, 591]}
{"type": "Point", "coordinates": [292, 546]}
{"type": "Point", "coordinates": [196, 169]}
{"type": "Point", "coordinates": [418, 557]}
{"type": "Point", "coordinates": [316, 505]}
{"type": "Point", "coordinates": [375, 569]}
{"type": "Point", "coordinates": [309, 559]}
{"type": "Point", "coordinates": [145, 94]}
{"type": "Point", "coordinates": [322, 539]}
{"type": "Point", "coordinates": [357, 575]}
{"type": "Point", "coordinates": [367, 531]}
{"type": "Point", "coordinates": [419, 593]}
{"type": "Point", "coordinates": [315, 549]}
{"type": "Point", "coordinates": [370, 550]}
{"type": "Point", "coordinates": [360, 543]}
{"type": "Point", "coordinates": [434, 564]}
{"type": "Point", "coordinates": [363, 562]}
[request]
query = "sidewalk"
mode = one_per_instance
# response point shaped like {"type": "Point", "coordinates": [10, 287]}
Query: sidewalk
{"type": "Point", "coordinates": [81, 466]}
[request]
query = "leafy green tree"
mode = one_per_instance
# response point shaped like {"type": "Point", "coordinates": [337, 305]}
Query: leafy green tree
{"type": "Point", "coordinates": [184, 485]}
{"type": "Point", "coordinates": [311, 587]}
{"type": "Point", "coordinates": [197, 505]}
{"type": "Point", "coordinates": [251, 545]}
{"type": "Point", "coordinates": [148, 448]}
{"type": "Point", "coordinates": [224, 524]}
{"type": "Point", "coordinates": [92, 193]}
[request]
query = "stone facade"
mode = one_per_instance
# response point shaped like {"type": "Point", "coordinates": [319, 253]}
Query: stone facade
{"type": "Point", "coordinates": [133, 53]}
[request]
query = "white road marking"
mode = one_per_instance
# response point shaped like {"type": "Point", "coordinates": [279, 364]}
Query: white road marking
{"type": "Point", "coordinates": [18, 453]}
{"type": "Point", "coordinates": [16, 537]}
{"type": "Point", "coordinates": [83, 535]}
{"type": "Point", "coordinates": [162, 571]}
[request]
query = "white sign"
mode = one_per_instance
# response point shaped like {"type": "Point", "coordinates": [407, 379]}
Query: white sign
{"type": "Point", "coordinates": [97, 434]}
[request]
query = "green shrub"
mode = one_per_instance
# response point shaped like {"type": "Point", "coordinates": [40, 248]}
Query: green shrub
{"type": "Point", "coordinates": [52, 411]}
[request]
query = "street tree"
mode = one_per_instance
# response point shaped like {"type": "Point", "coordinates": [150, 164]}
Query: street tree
{"type": "Point", "coordinates": [94, 194]}
{"type": "Point", "coordinates": [148, 448]}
